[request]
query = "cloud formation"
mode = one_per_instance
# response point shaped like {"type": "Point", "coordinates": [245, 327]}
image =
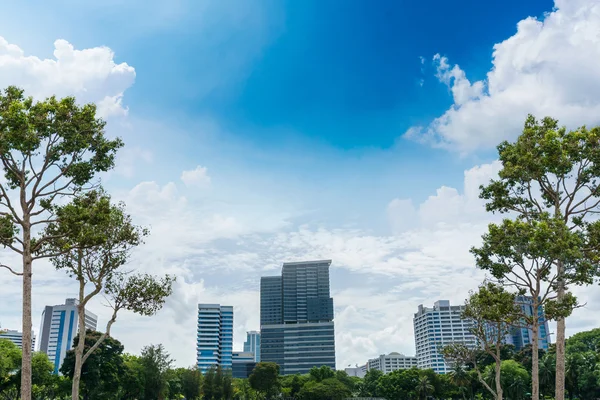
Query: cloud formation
{"type": "Point", "coordinates": [547, 68]}
{"type": "Point", "coordinates": [196, 177]}
{"type": "Point", "coordinates": [89, 74]}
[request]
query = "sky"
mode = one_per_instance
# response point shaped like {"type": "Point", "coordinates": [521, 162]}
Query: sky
{"type": "Point", "coordinates": [261, 132]}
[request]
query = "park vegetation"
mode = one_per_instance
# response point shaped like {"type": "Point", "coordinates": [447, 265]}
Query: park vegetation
{"type": "Point", "coordinates": [112, 374]}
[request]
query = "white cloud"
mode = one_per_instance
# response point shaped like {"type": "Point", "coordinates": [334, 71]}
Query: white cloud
{"type": "Point", "coordinates": [89, 74]}
{"type": "Point", "coordinates": [196, 177]}
{"type": "Point", "coordinates": [548, 68]}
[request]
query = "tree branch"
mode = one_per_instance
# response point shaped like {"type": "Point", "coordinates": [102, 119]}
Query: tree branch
{"type": "Point", "coordinates": [11, 270]}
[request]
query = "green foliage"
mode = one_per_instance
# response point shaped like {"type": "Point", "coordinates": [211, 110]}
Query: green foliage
{"type": "Point", "coordinates": [143, 294]}
{"type": "Point", "coordinates": [325, 389]}
{"type": "Point", "coordinates": [515, 379]}
{"type": "Point", "coordinates": [321, 373]}
{"type": "Point", "coordinates": [265, 379]}
{"type": "Point", "coordinates": [155, 363]}
{"type": "Point", "coordinates": [191, 383]}
{"type": "Point", "coordinates": [102, 371]}
{"type": "Point", "coordinates": [369, 385]}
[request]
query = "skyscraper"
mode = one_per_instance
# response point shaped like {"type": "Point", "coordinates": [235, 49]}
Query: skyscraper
{"type": "Point", "coordinates": [17, 338]}
{"type": "Point", "coordinates": [437, 327]}
{"type": "Point", "coordinates": [215, 336]}
{"type": "Point", "coordinates": [296, 314]}
{"type": "Point", "coordinates": [252, 344]}
{"type": "Point", "coordinates": [523, 336]}
{"type": "Point", "coordinates": [59, 328]}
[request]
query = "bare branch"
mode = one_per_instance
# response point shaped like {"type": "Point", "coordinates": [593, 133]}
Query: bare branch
{"type": "Point", "coordinates": [11, 270]}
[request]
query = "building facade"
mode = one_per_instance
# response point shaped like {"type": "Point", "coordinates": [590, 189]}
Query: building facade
{"type": "Point", "coordinates": [297, 329]}
{"type": "Point", "coordinates": [243, 364]}
{"type": "Point", "coordinates": [359, 371]}
{"type": "Point", "coordinates": [392, 362]}
{"type": "Point", "coordinates": [59, 328]}
{"type": "Point", "coordinates": [252, 344]}
{"type": "Point", "coordinates": [214, 344]}
{"type": "Point", "coordinates": [523, 336]}
{"type": "Point", "coordinates": [17, 338]}
{"type": "Point", "coordinates": [437, 327]}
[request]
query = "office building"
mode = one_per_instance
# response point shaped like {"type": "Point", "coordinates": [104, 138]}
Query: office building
{"type": "Point", "coordinates": [522, 336]}
{"type": "Point", "coordinates": [17, 338]}
{"type": "Point", "coordinates": [215, 336]}
{"type": "Point", "coordinates": [296, 314]}
{"type": "Point", "coordinates": [437, 327]}
{"type": "Point", "coordinates": [242, 364]}
{"type": "Point", "coordinates": [252, 344]}
{"type": "Point", "coordinates": [358, 370]}
{"type": "Point", "coordinates": [59, 328]}
{"type": "Point", "coordinates": [392, 362]}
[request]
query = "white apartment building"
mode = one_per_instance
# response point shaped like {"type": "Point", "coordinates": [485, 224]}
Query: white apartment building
{"type": "Point", "coordinates": [392, 362]}
{"type": "Point", "coordinates": [437, 327]}
{"type": "Point", "coordinates": [59, 328]}
{"type": "Point", "coordinates": [358, 370]}
{"type": "Point", "coordinates": [17, 338]}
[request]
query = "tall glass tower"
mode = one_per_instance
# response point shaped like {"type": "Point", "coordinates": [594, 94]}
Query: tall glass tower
{"type": "Point", "coordinates": [252, 344]}
{"type": "Point", "coordinates": [296, 315]}
{"type": "Point", "coordinates": [59, 328]}
{"type": "Point", "coordinates": [215, 336]}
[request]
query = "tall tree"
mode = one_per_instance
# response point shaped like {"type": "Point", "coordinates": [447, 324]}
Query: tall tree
{"type": "Point", "coordinates": [265, 379]}
{"type": "Point", "coordinates": [209, 388]}
{"type": "Point", "coordinates": [191, 383]}
{"type": "Point", "coordinates": [49, 149]}
{"type": "Point", "coordinates": [155, 362]}
{"type": "Point", "coordinates": [493, 312]}
{"type": "Point", "coordinates": [102, 373]}
{"type": "Point", "coordinates": [93, 240]}
{"type": "Point", "coordinates": [550, 181]}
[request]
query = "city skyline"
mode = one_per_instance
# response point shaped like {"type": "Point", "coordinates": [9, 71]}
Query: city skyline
{"type": "Point", "coordinates": [303, 130]}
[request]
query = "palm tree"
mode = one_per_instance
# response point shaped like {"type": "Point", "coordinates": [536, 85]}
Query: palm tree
{"type": "Point", "coordinates": [460, 378]}
{"type": "Point", "coordinates": [424, 387]}
{"type": "Point", "coordinates": [547, 374]}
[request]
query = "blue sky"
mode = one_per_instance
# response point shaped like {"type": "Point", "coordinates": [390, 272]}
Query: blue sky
{"type": "Point", "coordinates": [307, 129]}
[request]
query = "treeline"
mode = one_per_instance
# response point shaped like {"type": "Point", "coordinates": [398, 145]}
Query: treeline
{"type": "Point", "coordinates": [111, 374]}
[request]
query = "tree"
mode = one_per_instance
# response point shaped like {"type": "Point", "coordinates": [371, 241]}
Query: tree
{"type": "Point", "coordinates": [459, 354]}
{"type": "Point", "coordinates": [515, 379]}
{"type": "Point", "coordinates": [265, 379]}
{"type": "Point", "coordinates": [321, 373]}
{"type": "Point", "coordinates": [191, 383]}
{"type": "Point", "coordinates": [424, 387]}
{"type": "Point", "coordinates": [209, 388]}
{"type": "Point", "coordinates": [132, 381]}
{"type": "Point", "coordinates": [227, 386]}
{"type": "Point", "coordinates": [326, 389]}
{"type": "Point", "coordinates": [493, 312]}
{"type": "Point", "coordinates": [92, 241]}
{"type": "Point", "coordinates": [101, 374]}
{"type": "Point", "coordinates": [218, 388]}
{"type": "Point", "coordinates": [399, 384]}
{"type": "Point", "coordinates": [369, 385]}
{"type": "Point", "coordinates": [155, 363]}
{"type": "Point", "coordinates": [550, 181]}
{"type": "Point", "coordinates": [49, 149]}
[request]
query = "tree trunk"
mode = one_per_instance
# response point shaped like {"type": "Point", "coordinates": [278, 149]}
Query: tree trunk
{"type": "Point", "coordinates": [560, 338]}
{"type": "Point", "coordinates": [80, 344]}
{"type": "Point", "coordinates": [535, 363]}
{"type": "Point", "coordinates": [27, 273]}
{"type": "Point", "coordinates": [498, 382]}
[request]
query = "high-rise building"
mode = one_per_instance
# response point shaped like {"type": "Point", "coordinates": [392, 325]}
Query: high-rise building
{"type": "Point", "coordinates": [437, 327]}
{"type": "Point", "coordinates": [59, 328]}
{"type": "Point", "coordinates": [523, 336]}
{"type": "Point", "coordinates": [252, 344]}
{"type": "Point", "coordinates": [17, 338]}
{"type": "Point", "coordinates": [296, 315]}
{"type": "Point", "coordinates": [392, 362]}
{"type": "Point", "coordinates": [242, 364]}
{"type": "Point", "coordinates": [215, 336]}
